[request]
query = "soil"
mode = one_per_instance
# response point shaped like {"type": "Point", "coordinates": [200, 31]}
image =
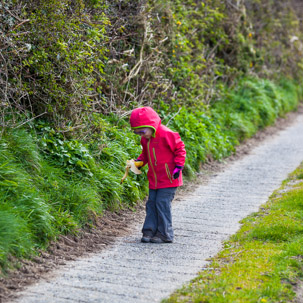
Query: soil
{"type": "Point", "coordinates": [116, 224]}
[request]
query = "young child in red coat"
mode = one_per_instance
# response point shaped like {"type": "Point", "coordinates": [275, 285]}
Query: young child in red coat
{"type": "Point", "coordinates": [164, 152]}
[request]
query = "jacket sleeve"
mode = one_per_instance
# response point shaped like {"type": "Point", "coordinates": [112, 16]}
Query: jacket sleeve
{"type": "Point", "coordinates": [143, 156]}
{"type": "Point", "coordinates": [177, 147]}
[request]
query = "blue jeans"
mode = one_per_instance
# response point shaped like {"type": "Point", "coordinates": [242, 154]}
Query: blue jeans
{"type": "Point", "coordinates": [158, 220]}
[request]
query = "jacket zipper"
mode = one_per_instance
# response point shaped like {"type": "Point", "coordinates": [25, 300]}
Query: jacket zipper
{"type": "Point", "coordinates": [154, 152]}
{"type": "Point", "coordinates": [151, 164]}
{"type": "Point", "coordinates": [168, 173]}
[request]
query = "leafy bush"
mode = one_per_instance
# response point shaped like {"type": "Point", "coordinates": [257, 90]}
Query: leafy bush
{"type": "Point", "coordinates": [54, 57]}
{"type": "Point", "coordinates": [203, 138]}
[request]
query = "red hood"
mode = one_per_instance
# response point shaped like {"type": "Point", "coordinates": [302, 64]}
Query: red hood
{"type": "Point", "coordinates": [144, 117]}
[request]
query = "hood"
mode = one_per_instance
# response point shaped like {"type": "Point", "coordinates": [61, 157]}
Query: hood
{"type": "Point", "coordinates": [145, 117]}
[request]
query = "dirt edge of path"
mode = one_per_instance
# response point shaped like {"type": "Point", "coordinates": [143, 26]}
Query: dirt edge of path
{"type": "Point", "coordinates": [117, 224]}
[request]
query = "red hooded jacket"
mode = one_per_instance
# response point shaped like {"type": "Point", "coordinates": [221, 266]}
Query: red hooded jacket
{"type": "Point", "coordinates": [162, 152]}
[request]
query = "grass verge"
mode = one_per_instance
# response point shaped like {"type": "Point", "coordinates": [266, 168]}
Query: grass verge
{"type": "Point", "coordinates": [263, 261]}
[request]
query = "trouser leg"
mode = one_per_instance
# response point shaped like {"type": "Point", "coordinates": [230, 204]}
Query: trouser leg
{"type": "Point", "coordinates": [151, 219]}
{"type": "Point", "coordinates": [164, 199]}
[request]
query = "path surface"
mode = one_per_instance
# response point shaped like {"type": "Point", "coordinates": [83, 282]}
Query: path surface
{"type": "Point", "coordinates": [134, 272]}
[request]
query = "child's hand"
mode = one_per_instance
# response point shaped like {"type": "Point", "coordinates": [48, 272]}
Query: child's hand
{"type": "Point", "coordinates": [176, 171]}
{"type": "Point", "coordinates": [138, 163]}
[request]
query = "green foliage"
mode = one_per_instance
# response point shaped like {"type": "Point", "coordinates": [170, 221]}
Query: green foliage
{"type": "Point", "coordinates": [276, 33]}
{"type": "Point", "coordinates": [15, 236]}
{"type": "Point", "coordinates": [43, 195]}
{"type": "Point", "coordinates": [193, 46]}
{"type": "Point", "coordinates": [55, 58]}
{"type": "Point", "coordinates": [67, 61]}
{"type": "Point", "coordinates": [70, 154]}
{"type": "Point", "coordinates": [190, 51]}
{"type": "Point", "coordinates": [24, 214]}
{"type": "Point", "coordinates": [203, 138]}
{"type": "Point", "coordinates": [254, 104]}
{"type": "Point", "coordinates": [24, 150]}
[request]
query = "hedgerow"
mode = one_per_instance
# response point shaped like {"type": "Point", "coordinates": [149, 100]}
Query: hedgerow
{"type": "Point", "coordinates": [67, 60]}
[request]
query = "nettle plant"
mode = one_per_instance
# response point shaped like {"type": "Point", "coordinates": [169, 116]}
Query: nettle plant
{"type": "Point", "coordinates": [71, 154]}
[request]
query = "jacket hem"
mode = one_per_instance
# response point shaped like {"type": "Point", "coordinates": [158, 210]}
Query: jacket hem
{"type": "Point", "coordinates": [165, 186]}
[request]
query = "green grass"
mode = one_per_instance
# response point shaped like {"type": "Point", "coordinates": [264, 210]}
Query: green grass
{"type": "Point", "coordinates": [254, 104]}
{"type": "Point", "coordinates": [262, 261]}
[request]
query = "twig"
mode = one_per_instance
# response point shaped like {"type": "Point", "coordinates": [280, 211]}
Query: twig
{"type": "Point", "coordinates": [125, 114]}
{"type": "Point", "coordinates": [212, 51]}
{"type": "Point", "coordinates": [174, 115]}
{"type": "Point", "coordinates": [31, 119]}
{"type": "Point", "coordinates": [17, 18]}
{"type": "Point", "coordinates": [24, 21]}
{"type": "Point", "coordinates": [160, 42]}
{"type": "Point", "coordinates": [234, 6]}
{"type": "Point", "coordinates": [135, 70]}
{"type": "Point", "coordinates": [20, 20]}
{"type": "Point", "coordinates": [20, 34]}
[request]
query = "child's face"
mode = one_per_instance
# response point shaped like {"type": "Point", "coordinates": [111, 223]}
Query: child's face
{"type": "Point", "coordinates": [145, 132]}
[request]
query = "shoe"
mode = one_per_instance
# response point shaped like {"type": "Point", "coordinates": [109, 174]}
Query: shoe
{"type": "Point", "coordinates": [146, 239]}
{"type": "Point", "coordinates": [158, 240]}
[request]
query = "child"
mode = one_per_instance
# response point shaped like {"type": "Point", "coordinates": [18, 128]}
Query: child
{"type": "Point", "coordinates": [165, 154]}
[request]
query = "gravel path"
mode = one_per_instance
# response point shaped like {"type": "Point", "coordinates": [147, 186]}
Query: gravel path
{"type": "Point", "coordinates": [134, 272]}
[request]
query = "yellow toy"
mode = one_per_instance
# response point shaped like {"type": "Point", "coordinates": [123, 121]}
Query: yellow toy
{"type": "Point", "coordinates": [133, 166]}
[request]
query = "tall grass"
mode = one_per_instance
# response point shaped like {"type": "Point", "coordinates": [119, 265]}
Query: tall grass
{"type": "Point", "coordinates": [42, 194]}
{"type": "Point", "coordinates": [25, 218]}
{"type": "Point", "coordinates": [255, 104]}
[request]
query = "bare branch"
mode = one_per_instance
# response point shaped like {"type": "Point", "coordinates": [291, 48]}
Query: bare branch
{"type": "Point", "coordinates": [27, 121]}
